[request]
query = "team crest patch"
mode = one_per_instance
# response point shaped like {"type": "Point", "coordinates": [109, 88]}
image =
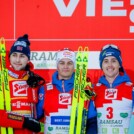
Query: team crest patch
{"type": "Point", "coordinates": [110, 93]}
{"type": "Point", "coordinates": [41, 96]}
{"type": "Point", "coordinates": [129, 83]}
{"type": "Point", "coordinates": [64, 98]}
{"type": "Point", "coordinates": [98, 84]}
{"type": "Point", "coordinates": [49, 87]}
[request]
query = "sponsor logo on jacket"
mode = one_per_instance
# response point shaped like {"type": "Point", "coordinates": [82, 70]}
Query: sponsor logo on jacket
{"type": "Point", "coordinates": [111, 93]}
{"type": "Point", "coordinates": [20, 88]}
{"type": "Point", "coordinates": [64, 98]}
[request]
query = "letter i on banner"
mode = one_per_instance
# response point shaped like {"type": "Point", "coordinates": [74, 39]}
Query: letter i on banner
{"type": "Point", "coordinates": [5, 91]}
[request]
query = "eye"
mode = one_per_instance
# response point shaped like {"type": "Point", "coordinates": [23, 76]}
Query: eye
{"type": "Point", "coordinates": [105, 61]}
{"type": "Point", "coordinates": [70, 63]}
{"type": "Point", "coordinates": [22, 56]}
{"type": "Point", "coordinates": [61, 63]}
{"type": "Point", "coordinates": [14, 55]}
{"type": "Point", "coordinates": [114, 60]}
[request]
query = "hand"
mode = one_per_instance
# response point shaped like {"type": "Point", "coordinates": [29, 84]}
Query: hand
{"type": "Point", "coordinates": [32, 124]}
{"type": "Point", "coordinates": [35, 80]}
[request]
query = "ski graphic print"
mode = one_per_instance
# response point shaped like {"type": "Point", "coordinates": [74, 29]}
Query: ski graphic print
{"type": "Point", "coordinates": [2, 129]}
{"type": "Point", "coordinates": [77, 116]}
{"type": "Point", "coordinates": [4, 85]}
{"type": "Point", "coordinates": [80, 128]}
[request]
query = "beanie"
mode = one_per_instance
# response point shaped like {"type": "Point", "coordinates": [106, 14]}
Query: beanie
{"type": "Point", "coordinates": [110, 50]}
{"type": "Point", "coordinates": [66, 53]}
{"type": "Point", "coordinates": [21, 45]}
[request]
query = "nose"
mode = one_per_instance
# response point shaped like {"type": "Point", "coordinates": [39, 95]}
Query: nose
{"type": "Point", "coordinates": [65, 65]}
{"type": "Point", "coordinates": [109, 63]}
{"type": "Point", "coordinates": [17, 58]}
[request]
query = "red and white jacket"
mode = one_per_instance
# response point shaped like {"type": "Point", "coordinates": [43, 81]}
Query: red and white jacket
{"type": "Point", "coordinates": [22, 102]}
{"type": "Point", "coordinates": [114, 106]}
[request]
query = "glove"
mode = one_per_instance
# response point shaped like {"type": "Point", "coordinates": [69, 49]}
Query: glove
{"type": "Point", "coordinates": [31, 124]}
{"type": "Point", "coordinates": [35, 80]}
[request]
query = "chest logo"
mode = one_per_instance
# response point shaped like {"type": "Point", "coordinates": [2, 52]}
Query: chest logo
{"type": "Point", "coordinates": [64, 98]}
{"type": "Point", "coordinates": [20, 88]}
{"type": "Point", "coordinates": [110, 93]}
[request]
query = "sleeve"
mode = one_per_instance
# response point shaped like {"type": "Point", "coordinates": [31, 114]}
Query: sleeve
{"type": "Point", "coordinates": [40, 104]}
{"type": "Point", "coordinates": [91, 127]}
{"type": "Point", "coordinates": [9, 119]}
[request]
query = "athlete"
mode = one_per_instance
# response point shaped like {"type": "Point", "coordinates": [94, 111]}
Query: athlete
{"type": "Point", "coordinates": [113, 93]}
{"type": "Point", "coordinates": [55, 99]}
{"type": "Point", "coordinates": [23, 84]}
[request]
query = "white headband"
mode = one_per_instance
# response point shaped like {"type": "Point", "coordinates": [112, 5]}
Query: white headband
{"type": "Point", "coordinates": [66, 54]}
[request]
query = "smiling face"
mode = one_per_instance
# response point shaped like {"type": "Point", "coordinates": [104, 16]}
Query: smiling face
{"type": "Point", "coordinates": [65, 68]}
{"type": "Point", "coordinates": [18, 61]}
{"type": "Point", "coordinates": [110, 66]}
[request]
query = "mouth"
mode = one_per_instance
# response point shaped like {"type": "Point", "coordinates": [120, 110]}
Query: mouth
{"type": "Point", "coordinates": [65, 70]}
{"type": "Point", "coordinates": [17, 65]}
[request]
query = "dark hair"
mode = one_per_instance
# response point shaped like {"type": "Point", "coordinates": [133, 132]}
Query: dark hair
{"type": "Point", "coordinates": [34, 80]}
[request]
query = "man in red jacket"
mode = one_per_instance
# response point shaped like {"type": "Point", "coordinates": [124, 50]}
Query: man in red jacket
{"type": "Point", "coordinates": [23, 84]}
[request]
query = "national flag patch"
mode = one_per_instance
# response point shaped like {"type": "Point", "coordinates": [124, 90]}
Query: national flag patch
{"type": "Point", "coordinates": [41, 96]}
{"type": "Point", "coordinates": [20, 48]}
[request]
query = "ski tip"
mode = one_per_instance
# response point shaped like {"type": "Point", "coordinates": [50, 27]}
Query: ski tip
{"type": "Point", "coordinates": [86, 49]}
{"type": "Point", "coordinates": [2, 40]}
{"type": "Point", "coordinates": [80, 48]}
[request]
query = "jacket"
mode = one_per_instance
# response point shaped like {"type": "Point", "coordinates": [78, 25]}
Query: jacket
{"type": "Point", "coordinates": [55, 100]}
{"type": "Point", "coordinates": [114, 104]}
{"type": "Point", "coordinates": [23, 99]}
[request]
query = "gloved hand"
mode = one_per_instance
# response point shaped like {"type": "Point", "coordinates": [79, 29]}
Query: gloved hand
{"type": "Point", "coordinates": [35, 80]}
{"type": "Point", "coordinates": [31, 124]}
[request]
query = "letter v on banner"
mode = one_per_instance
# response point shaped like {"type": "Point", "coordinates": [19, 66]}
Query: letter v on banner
{"type": "Point", "coordinates": [66, 10]}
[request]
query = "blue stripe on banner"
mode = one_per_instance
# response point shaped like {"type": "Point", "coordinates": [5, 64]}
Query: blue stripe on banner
{"type": "Point", "coordinates": [60, 120]}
